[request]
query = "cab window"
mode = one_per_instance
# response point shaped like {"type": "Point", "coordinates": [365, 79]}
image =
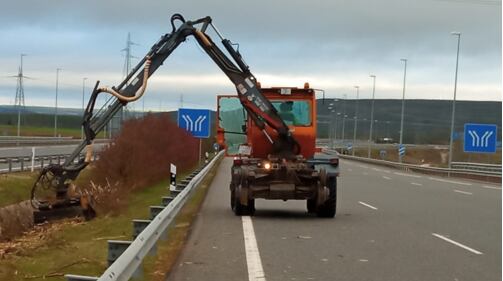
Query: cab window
{"type": "Point", "coordinates": [293, 113]}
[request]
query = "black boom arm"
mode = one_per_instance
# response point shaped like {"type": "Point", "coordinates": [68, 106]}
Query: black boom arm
{"type": "Point", "coordinates": [132, 87]}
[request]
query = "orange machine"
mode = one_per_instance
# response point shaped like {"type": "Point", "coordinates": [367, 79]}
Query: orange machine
{"type": "Point", "coordinates": [259, 171]}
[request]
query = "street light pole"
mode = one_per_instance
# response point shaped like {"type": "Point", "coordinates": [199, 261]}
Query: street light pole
{"type": "Point", "coordinates": [372, 115]}
{"type": "Point", "coordinates": [356, 119]}
{"type": "Point", "coordinates": [458, 34]}
{"type": "Point", "coordinates": [56, 104]}
{"type": "Point", "coordinates": [83, 93]}
{"type": "Point", "coordinates": [403, 107]}
{"type": "Point", "coordinates": [343, 116]}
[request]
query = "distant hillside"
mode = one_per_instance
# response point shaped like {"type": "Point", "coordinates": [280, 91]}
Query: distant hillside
{"type": "Point", "coordinates": [425, 121]}
{"type": "Point", "coordinates": [41, 110]}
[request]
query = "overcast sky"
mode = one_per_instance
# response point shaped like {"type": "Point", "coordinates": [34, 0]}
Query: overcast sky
{"type": "Point", "coordinates": [334, 45]}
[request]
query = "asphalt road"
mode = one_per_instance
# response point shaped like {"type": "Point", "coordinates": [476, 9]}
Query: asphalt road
{"type": "Point", "coordinates": [390, 225]}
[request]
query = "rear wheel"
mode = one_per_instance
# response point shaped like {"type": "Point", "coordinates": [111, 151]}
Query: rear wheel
{"type": "Point", "coordinates": [240, 209]}
{"type": "Point", "coordinates": [311, 205]}
{"type": "Point", "coordinates": [328, 209]}
{"type": "Point", "coordinates": [233, 195]}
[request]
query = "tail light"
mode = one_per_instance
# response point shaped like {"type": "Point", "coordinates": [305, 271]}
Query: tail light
{"type": "Point", "coordinates": [334, 161]}
{"type": "Point", "coordinates": [238, 161]}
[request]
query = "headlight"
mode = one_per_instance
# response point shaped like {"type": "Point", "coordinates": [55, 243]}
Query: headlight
{"type": "Point", "coordinates": [267, 165]}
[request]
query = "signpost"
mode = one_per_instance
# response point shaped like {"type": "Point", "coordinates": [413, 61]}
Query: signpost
{"type": "Point", "coordinates": [401, 150]}
{"type": "Point", "coordinates": [480, 138]}
{"type": "Point", "coordinates": [195, 121]}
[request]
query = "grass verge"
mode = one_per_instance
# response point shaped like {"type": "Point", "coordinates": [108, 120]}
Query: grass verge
{"type": "Point", "coordinates": [15, 187]}
{"type": "Point", "coordinates": [79, 247]}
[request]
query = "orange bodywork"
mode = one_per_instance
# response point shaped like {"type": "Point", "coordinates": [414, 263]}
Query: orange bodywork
{"type": "Point", "coordinates": [304, 135]}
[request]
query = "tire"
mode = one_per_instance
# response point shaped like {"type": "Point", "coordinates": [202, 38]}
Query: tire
{"type": "Point", "coordinates": [240, 209]}
{"type": "Point", "coordinates": [329, 208]}
{"type": "Point", "coordinates": [233, 195]}
{"type": "Point", "coordinates": [311, 205]}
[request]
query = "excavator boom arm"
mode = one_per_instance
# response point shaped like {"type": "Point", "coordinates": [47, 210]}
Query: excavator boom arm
{"type": "Point", "coordinates": [259, 108]}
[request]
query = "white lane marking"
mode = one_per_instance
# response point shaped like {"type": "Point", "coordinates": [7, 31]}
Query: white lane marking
{"type": "Point", "coordinates": [415, 183]}
{"type": "Point", "coordinates": [350, 170]}
{"type": "Point", "coordinates": [407, 175]}
{"type": "Point", "coordinates": [491, 187]}
{"type": "Point", "coordinates": [255, 270]}
{"type": "Point", "coordinates": [365, 173]}
{"type": "Point", "coordinates": [361, 166]}
{"type": "Point", "coordinates": [462, 192]}
{"type": "Point", "coordinates": [449, 181]}
{"type": "Point", "coordinates": [385, 177]}
{"type": "Point", "coordinates": [367, 205]}
{"type": "Point", "coordinates": [457, 243]}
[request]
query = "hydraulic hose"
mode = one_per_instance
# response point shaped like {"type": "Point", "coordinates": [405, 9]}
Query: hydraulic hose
{"type": "Point", "coordinates": [140, 91]}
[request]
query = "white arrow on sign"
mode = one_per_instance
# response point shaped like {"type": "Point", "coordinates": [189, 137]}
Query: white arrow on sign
{"type": "Point", "coordinates": [188, 122]}
{"type": "Point", "coordinates": [192, 126]}
{"type": "Point", "coordinates": [478, 141]}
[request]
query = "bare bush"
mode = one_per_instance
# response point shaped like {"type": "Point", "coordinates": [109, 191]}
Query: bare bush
{"type": "Point", "coordinates": [140, 156]}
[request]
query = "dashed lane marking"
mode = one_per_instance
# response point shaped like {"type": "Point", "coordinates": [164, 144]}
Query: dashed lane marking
{"type": "Point", "coordinates": [385, 177]}
{"type": "Point", "coordinates": [449, 181]}
{"type": "Point", "coordinates": [457, 243]}
{"type": "Point", "coordinates": [415, 183]}
{"type": "Point", "coordinates": [491, 187]}
{"type": "Point", "coordinates": [367, 205]}
{"type": "Point", "coordinates": [407, 175]}
{"type": "Point", "coordinates": [463, 192]}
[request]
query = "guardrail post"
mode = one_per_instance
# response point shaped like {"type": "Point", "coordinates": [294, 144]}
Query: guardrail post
{"type": "Point", "coordinates": [174, 192]}
{"type": "Point", "coordinates": [115, 249]}
{"type": "Point", "coordinates": [22, 163]}
{"type": "Point", "coordinates": [41, 158]}
{"type": "Point", "coordinates": [138, 227]}
{"type": "Point", "coordinates": [154, 211]}
{"type": "Point", "coordinates": [10, 164]}
{"type": "Point", "coordinates": [181, 186]}
{"type": "Point", "coordinates": [71, 277]}
{"type": "Point", "coordinates": [165, 200]}
{"type": "Point", "coordinates": [32, 159]}
{"type": "Point", "coordinates": [59, 159]}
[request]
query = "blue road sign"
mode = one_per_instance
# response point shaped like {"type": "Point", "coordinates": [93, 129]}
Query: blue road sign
{"type": "Point", "coordinates": [480, 138]}
{"type": "Point", "coordinates": [401, 150]}
{"type": "Point", "coordinates": [195, 121]}
{"type": "Point", "coordinates": [349, 146]}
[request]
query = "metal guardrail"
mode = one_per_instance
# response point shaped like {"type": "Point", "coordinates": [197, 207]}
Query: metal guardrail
{"type": "Point", "coordinates": [11, 140]}
{"type": "Point", "coordinates": [126, 257]}
{"type": "Point", "coordinates": [27, 162]}
{"type": "Point", "coordinates": [476, 167]}
{"type": "Point", "coordinates": [424, 169]}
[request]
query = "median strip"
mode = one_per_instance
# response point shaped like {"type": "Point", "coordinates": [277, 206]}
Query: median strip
{"type": "Point", "coordinates": [457, 244]}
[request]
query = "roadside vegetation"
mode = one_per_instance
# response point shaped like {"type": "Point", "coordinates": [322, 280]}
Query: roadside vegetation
{"type": "Point", "coordinates": [137, 167]}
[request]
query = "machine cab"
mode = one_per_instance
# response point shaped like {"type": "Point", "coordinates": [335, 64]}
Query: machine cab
{"type": "Point", "coordinates": [297, 108]}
